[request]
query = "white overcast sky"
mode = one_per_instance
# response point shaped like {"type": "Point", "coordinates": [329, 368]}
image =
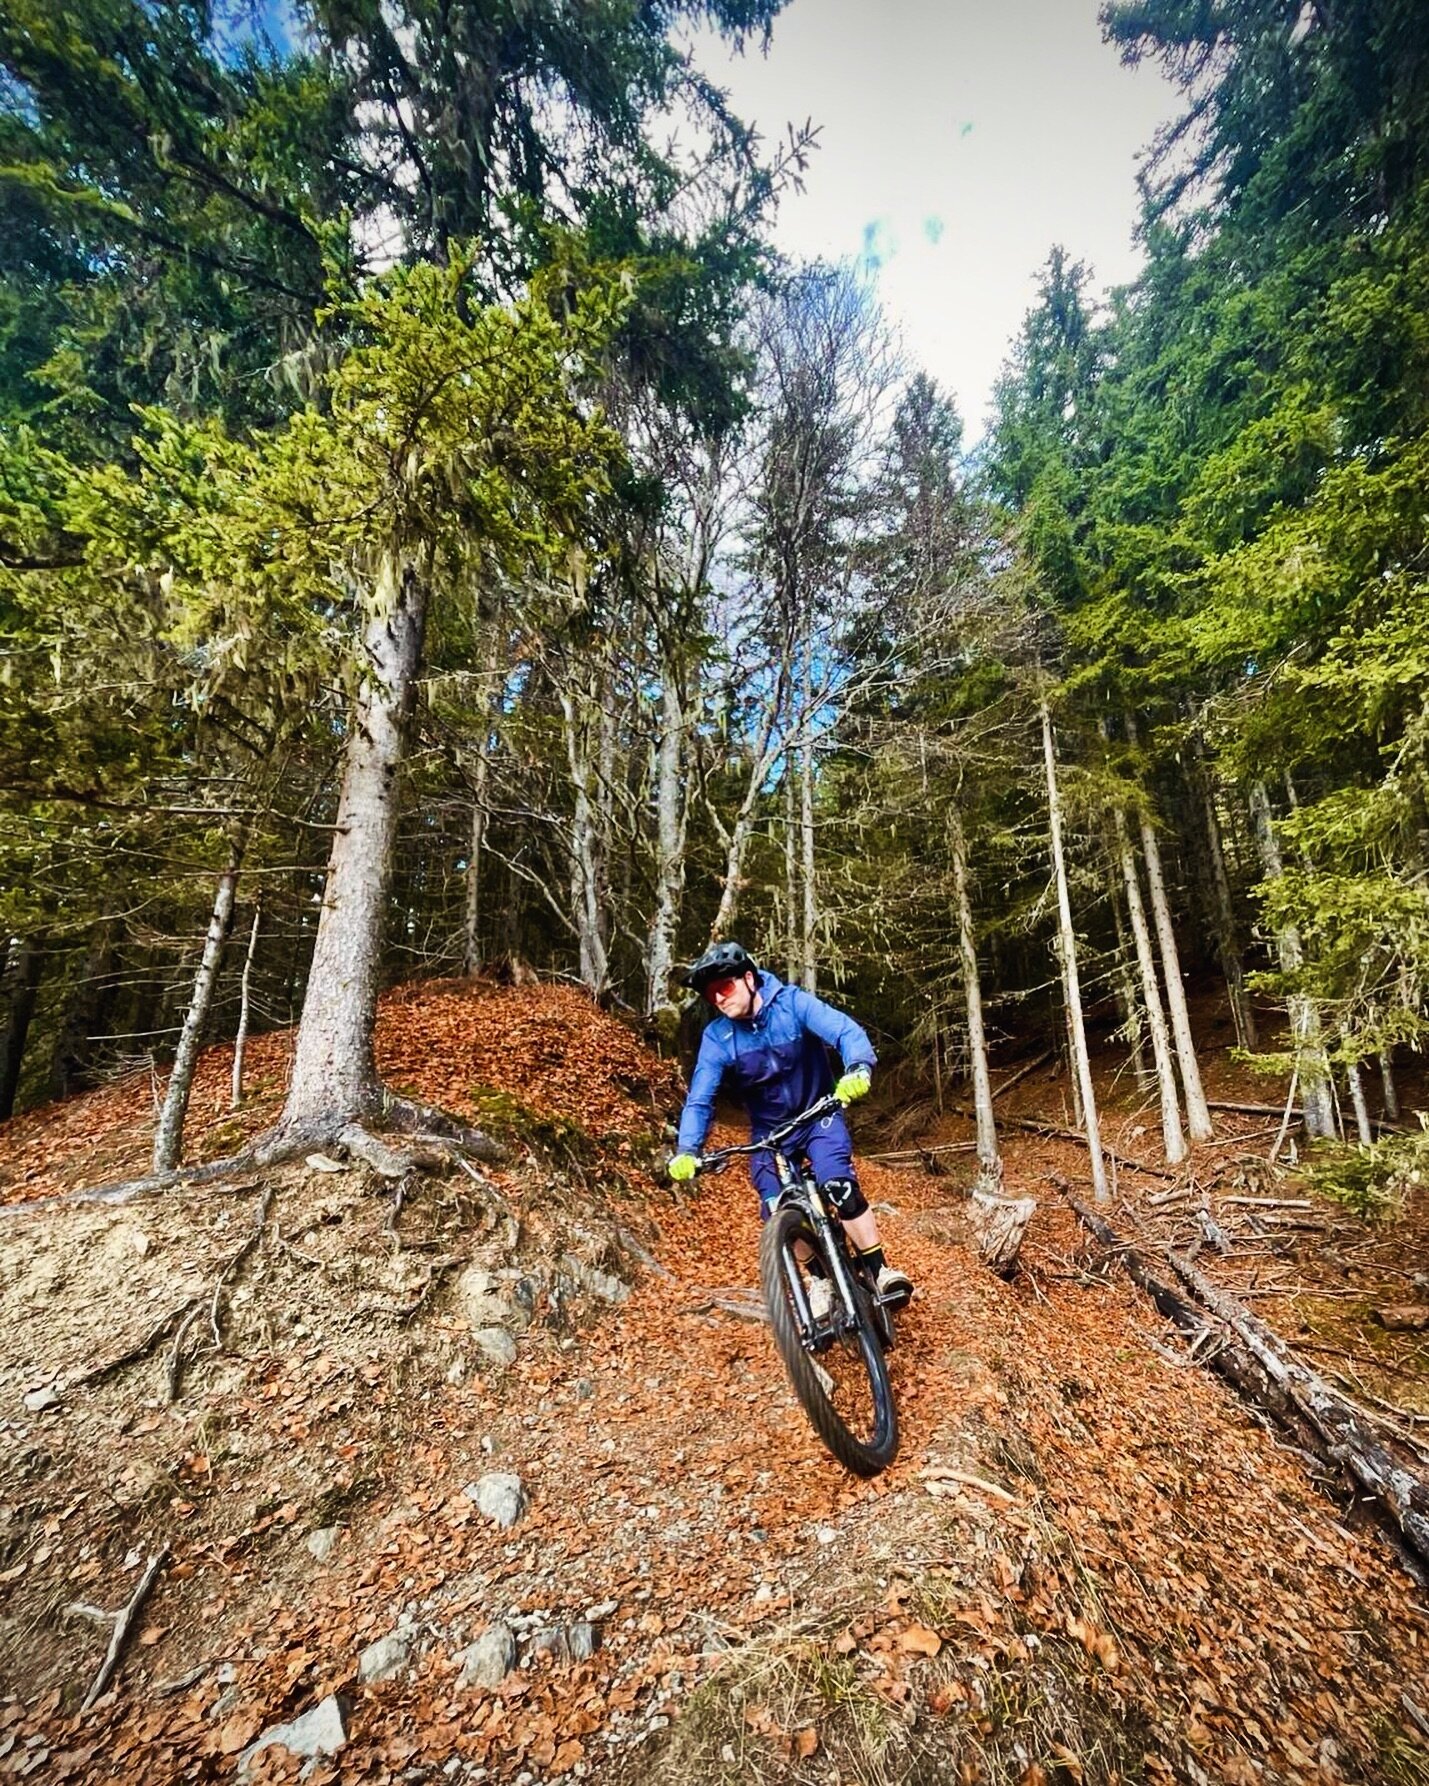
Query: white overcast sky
{"type": "Point", "coordinates": [960, 140]}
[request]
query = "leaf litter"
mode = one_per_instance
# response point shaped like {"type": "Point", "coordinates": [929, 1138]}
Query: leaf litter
{"type": "Point", "coordinates": [1087, 1563]}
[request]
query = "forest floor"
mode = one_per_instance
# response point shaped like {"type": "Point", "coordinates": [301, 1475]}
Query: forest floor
{"type": "Point", "coordinates": [1090, 1562]}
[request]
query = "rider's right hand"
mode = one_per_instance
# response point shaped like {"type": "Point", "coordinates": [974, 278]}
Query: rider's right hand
{"type": "Point", "coordinates": [684, 1167]}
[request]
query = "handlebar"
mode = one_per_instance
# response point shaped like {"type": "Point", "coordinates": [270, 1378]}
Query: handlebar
{"type": "Point", "coordinates": [712, 1162]}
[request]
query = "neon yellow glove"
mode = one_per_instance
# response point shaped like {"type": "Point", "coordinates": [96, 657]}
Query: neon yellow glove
{"type": "Point", "coordinates": [683, 1167]}
{"type": "Point", "coordinates": [854, 1084]}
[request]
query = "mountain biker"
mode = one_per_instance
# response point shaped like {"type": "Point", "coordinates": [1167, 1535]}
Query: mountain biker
{"type": "Point", "coordinates": [768, 1039]}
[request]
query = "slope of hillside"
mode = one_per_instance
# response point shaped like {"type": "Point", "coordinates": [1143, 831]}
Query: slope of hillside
{"type": "Point", "coordinates": [1088, 1564]}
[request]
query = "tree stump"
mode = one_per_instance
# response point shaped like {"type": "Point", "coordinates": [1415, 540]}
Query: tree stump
{"type": "Point", "coordinates": [999, 1223]}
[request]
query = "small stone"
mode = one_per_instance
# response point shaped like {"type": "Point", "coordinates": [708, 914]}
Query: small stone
{"type": "Point", "coordinates": [383, 1659]}
{"type": "Point", "coordinates": [488, 1661]}
{"type": "Point", "coordinates": [456, 1372]}
{"type": "Point", "coordinates": [597, 1283]}
{"type": "Point", "coordinates": [500, 1495]}
{"type": "Point", "coordinates": [585, 1389]}
{"type": "Point", "coordinates": [827, 1535]}
{"type": "Point", "coordinates": [39, 1400]}
{"type": "Point", "coordinates": [322, 1731]}
{"type": "Point", "coordinates": [601, 1610]}
{"type": "Point", "coordinates": [323, 1542]}
{"type": "Point", "coordinates": [496, 1343]}
{"type": "Point", "coordinates": [140, 1242]}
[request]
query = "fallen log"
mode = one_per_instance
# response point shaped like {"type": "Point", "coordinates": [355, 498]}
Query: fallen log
{"type": "Point", "coordinates": [1038, 1060]}
{"type": "Point", "coordinates": [1320, 1422]}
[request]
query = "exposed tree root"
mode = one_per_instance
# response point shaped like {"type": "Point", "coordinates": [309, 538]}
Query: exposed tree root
{"type": "Point", "coordinates": [441, 1139]}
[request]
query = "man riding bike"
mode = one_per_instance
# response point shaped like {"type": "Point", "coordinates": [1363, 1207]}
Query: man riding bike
{"type": "Point", "coordinates": [768, 1040]}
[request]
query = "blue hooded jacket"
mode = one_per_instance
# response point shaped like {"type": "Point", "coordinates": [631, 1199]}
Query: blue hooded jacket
{"type": "Point", "coordinates": [775, 1060]}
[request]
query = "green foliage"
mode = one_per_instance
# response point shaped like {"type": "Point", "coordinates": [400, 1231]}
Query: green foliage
{"type": "Point", "coordinates": [1372, 1182]}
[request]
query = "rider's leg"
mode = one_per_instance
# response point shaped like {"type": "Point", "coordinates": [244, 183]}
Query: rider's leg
{"type": "Point", "coordinates": [830, 1151]}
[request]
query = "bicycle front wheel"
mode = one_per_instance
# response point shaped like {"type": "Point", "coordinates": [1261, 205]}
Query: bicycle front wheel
{"type": "Point", "coordinates": [845, 1389]}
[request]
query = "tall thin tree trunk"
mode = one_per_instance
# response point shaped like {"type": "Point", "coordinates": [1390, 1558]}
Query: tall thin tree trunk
{"type": "Point", "coordinates": [1172, 1138]}
{"type": "Point", "coordinates": [26, 964]}
{"type": "Point", "coordinates": [1314, 1069]}
{"type": "Point", "coordinates": [169, 1134]}
{"type": "Point", "coordinates": [1357, 1098]}
{"type": "Point", "coordinates": [792, 950]}
{"type": "Point", "coordinates": [480, 782]}
{"type": "Point", "coordinates": [1386, 1079]}
{"type": "Point", "coordinates": [586, 758]}
{"type": "Point", "coordinates": [245, 1007]}
{"type": "Point", "coordinates": [1067, 949]}
{"type": "Point", "coordinates": [989, 1161]}
{"type": "Point", "coordinates": [334, 1072]}
{"type": "Point", "coordinates": [810, 977]}
{"type": "Point", "coordinates": [1242, 1014]}
{"type": "Point", "coordinates": [671, 812]}
{"type": "Point", "coordinates": [1198, 1115]}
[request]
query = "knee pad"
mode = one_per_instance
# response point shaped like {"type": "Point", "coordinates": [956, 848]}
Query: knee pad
{"type": "Point", "coordinates": [846, 1198]}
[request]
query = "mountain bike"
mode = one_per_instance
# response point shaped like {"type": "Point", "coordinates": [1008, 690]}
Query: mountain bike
{"type": "Point", "coordinates": [836, 1364]}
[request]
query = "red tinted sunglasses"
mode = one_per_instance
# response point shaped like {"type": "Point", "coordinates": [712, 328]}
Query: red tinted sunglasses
{"type": "Point", "coordinates": [720, 989]}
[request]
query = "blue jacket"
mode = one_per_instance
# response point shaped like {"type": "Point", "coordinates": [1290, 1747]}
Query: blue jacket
{"type": "Point", "coordinates": [775, 1061]}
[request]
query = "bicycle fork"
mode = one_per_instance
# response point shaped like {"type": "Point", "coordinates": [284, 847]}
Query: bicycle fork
{"type": "Point", "coordinates": [833, 1258]}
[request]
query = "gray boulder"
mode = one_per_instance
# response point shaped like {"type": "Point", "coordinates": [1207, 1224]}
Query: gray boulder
{"type": "Point", "coordinates": [500, 1495]}
{"type": "Point", "coordinates": [496, 1344]}
{"type": "Point", "coordinates": [488, 1661]}
{"type": "Point", "coordinates": [321, 1731]}
{"type": "Point", "coordinates": [385, 1658]}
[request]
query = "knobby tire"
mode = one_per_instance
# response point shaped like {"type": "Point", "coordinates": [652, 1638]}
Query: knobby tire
{"type": "Point", "coordinates": [864, 1454]}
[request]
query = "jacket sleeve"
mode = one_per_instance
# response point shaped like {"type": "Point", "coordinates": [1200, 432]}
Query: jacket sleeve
{"type": "Point", "coordinates": [698, 1113]}
{"type": "Point", "coordinates": [836, 1028]}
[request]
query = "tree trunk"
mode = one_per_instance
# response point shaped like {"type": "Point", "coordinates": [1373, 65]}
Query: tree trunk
{"type": "Point", "coordinates": [26, 964]}
{"type": "Point", "coordinates": [989, 1161]}
{"type": "Point", "coordinates": [245, 1007]}
{"type": "Point", "coordinates": [791, 873]}
{"type": "Point", "coordinates": [1313, 1068]}
{"type": "Point", "coordinates": [586, 755]}
{"type": "Point", "coordinates": [1242, 1015]}
{"type": "Point", "coordinates": [810, 977]}
{"type": "Point", "coordinates": [169, 1135]}
{"type": "Point", "coordinates": [334, 1074]}
{"type": "Point", "coordinates": [1198, 1117]}
{"type": "Point", "coordinates": [1128, 998]}
{"type": "Point", "coordinates": [1357, 1098]}
{"type": "Point", "coordinates": [481, 777]}
{"type": "Point", "coordinates": [1067, 949]}
{"type": "Point", "coordinates": [1172, 1138]}
{"type": "Point", "coordinates": [671, 812]}
{"type": "Point", "coordinates": [1386, 1079]}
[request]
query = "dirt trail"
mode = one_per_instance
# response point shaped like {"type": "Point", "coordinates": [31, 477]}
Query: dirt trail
{"type": "Point", "coordinates": [1088, 1563]}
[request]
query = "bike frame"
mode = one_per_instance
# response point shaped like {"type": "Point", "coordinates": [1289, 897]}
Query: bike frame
{"type": "Point", "coordinates": [799, 1186]}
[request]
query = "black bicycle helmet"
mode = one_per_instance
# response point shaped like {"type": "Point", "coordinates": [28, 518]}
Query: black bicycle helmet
{"type": "Point", "coordinates": [721, 961]}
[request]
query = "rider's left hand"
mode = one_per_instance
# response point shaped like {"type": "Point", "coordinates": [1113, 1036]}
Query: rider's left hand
{"type": "Point", "coordinates": [853, 1085]}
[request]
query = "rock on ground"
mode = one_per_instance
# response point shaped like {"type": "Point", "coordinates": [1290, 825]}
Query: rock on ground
{"type": "Point", "coordinates": [488, 1661]}
{"type": "Point", "coordinates": [500, 1495]}
{"type": "Point", "coordinates": [321, 1731]}
{"type": "Point", "coordinates": [384, 1658]}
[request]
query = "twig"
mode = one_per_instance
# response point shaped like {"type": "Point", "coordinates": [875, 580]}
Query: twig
{"type": "Point", "coordinates": [176, 1356]}
{"type": "Point", "coordinates": [1279, 1140]}
{"type": "Point", "coordinates": [123, 1624]}
{"type": "Point", "coordinates": [946, 1473]}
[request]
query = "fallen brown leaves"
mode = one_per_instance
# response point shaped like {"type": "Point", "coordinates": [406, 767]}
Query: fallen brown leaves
{"type": "Point", "coordinates": [1068, 1507]}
